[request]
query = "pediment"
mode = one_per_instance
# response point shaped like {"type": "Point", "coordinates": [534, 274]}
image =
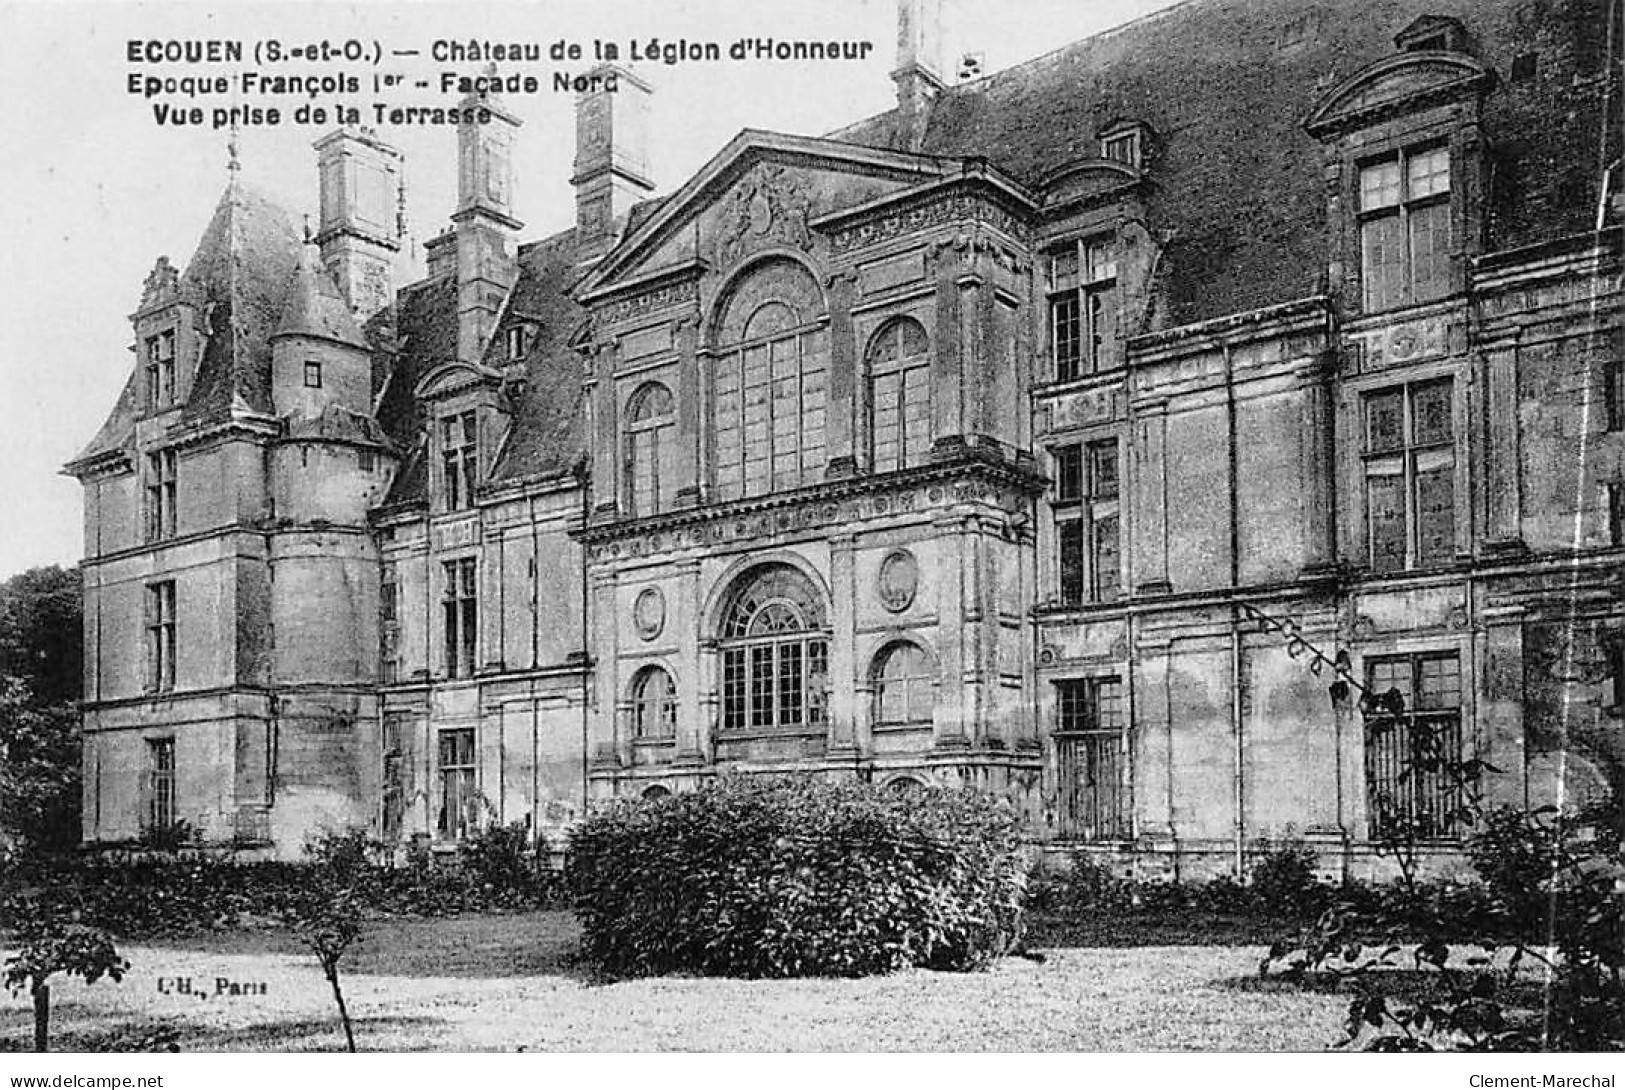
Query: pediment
{"type": "Point", "coordinates": [454, 377]}
{"type": "Point", "coordinates": [1088, 180]}
{"type": "Point", "coordinates": [762, 192]}
{"type": "Point", "coordinates": [1397, 85]}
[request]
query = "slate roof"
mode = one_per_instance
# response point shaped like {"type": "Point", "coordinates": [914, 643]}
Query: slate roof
{"type": "Point", "coordinates": [414, 335]}
{"type": "Point", "coordinates": [314, 307]}
{"type": "Point", "coordinates": [1238, 188]}
{"type": "Point", "coordinates": [237, 277]}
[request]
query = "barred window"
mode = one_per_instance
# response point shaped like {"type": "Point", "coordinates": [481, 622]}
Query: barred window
{"type": "Point", "coordinates": [1412, 743]}
{"type": "Point", "coordinates": [1091, 744]}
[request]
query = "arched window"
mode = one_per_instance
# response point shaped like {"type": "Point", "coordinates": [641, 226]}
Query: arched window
{"type": "Point", "coordinates": [769, 394]}
{"type": "Point", "coordinates": [651, 476]}
{"type": "Point", "coordinates": [905, 686]}
{"type": "Point", "coordinates": [654, 705]}
{"type": "Point", "coordinates": [899, 369]}
{"type": "Point", "coordinates": [904, 786]}
{"type": "Point", "coordinates": [775, 653]}
{"type": "Point", "coordinates": [656, 792]}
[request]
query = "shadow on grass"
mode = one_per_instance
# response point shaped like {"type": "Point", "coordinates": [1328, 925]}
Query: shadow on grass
{"type": "Point", "coordinates": [85, 1034]}
{"type": "Point", "coordinates": [490, 947]}
{"type": "Point", "coordinates": [1185, 928]}
{"type": "Point", "coordinates": [1405, 985]}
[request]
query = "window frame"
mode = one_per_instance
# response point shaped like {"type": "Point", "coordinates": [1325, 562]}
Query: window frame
{"type": "Point", "coordinates": [162, 810]}
{"type": "Point", "coordinates": [459, 436]}
{"type": "Point", "coordinates": [160, 353]}
{"type": "Point", "coordinates": [1441, 795]}
{"type": "Point", "coordinates": [163, 468]}
{"type": "Point", "coordinates": [1404, 210]}
{"type": "Point", "coordinates": [389, 623]}
{"type": "Point", "coordinates": [655, 433]}
{"type": "Point", "coordinates": [654, 714]}
{"type": "Point", "coordinates": [1080, 518]}
{"type": "Point", "coordinates": [925, 677]}
{"type": "Point", "coordinates": [1090, 291]}
{"type": "Point", "coordinates": [162, 629]}
{"type": "Point", "coordinates": [1415, 457]}
{"type": "Point", "coordinates": [764, 674]}
{"type": "Point", "coordinates": [460, 616]}
{"type": "Point", "coordinates": [913, 373]}
{"type": "Point", "coordinates": [462, 770]}
{"type": "Point", "coordinates": [1099, 808]}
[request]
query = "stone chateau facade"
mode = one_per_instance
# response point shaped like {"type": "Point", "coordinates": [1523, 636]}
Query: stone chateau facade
{"type": "Point", "coordinates": [1066, 432]}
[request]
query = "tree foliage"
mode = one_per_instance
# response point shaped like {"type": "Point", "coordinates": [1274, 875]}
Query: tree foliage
{"type": "Point", "coordinates": [40, 666]}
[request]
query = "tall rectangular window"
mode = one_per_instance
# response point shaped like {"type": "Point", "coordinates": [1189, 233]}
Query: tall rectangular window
{"type": "Point", "coordinates": [1083, 308]}
{"type": "Point", "coordinates": [392, 811]}
{"type": "Point", "coordinates": [461, 605]}
{"type": "Point", "coordinates": [161, 636]}
{"type": "Point", "coordinates": [1091, 754]}
{"type": "Point", "coordinates": [771, 400]}
{"type": "Point", "coordinates": [160, 366]}
{"type": "Point", "coordinates": [1410, 475]}
{"type": "Point", "coordinates": [389, 625]}
{"type": "Point", "coordinates": [160, 783]}
{"type": "Point", "coordinates": [161, 495]}
{"type": "Point", "coordinates": [1613, 394]}
{"type": "Point", "coordinates": [1088, 522]}
{"type": "Point", "coordinates": [459, 795]}
{"type": "Point", "coordinates": [460, 459]}
{"type": "Point", "coordinates": [1404, 216]}
{"type": "Point", "coordinates": [1409, 788]}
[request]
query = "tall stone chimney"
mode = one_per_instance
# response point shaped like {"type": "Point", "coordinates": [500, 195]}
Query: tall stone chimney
{"type": "Point", "coordinates": [359, 233]}
{"type": "Point", "coordinates": [612, 155]}
{"type": "Point", "coordinates": [483, 225]}
{"type": "Point", "coordinates": [918, 74]}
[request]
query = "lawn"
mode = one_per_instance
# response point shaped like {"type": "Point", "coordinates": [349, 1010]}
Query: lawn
{"type": "Point", "coordinates": [510, 982]}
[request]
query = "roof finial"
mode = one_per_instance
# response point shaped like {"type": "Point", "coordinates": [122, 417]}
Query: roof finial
{"type": "Point", "coordinates": [232, 162]}
{"type": "Point", "coordinates": [307, 228]}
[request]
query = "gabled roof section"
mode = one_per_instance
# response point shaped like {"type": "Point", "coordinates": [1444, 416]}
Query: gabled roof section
{"type": "Point", "coordinates": [734, 159]}
{"type": "Point", "coordinates": [314, 307]}
{"type": "Point", "coordinates": [236, 278]}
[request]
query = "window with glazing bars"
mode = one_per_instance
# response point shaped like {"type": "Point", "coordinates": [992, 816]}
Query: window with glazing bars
{"type": "Point", "coordinates": [899, 361]}
{"type": "Point", "coordinates": [161, 642]}
{"type": "Point", "coordinates": [1083, 308]}
{"type": "Point", "coordinates": [461, 605]}
{"type": "Point", "coordinates": [775, 655]}
{"type": "Point", "coordinates": [160, 360]}
{"type": "Point", "coordinates": [1410, 475]}
{"type": "Point", "coordinates": [1410, 789]}
{"type": "Point", "coordinates": [1090, 745]}
{"type": "Point", "coordinates": [389, 625]}
{"type": "Point", "coordinates": [654, 705]}
{"type": "Point", "coordinates": [1087, 521]}
{"type": "Point", "coordinates": [459, 795]}
{"type": "Point", "coordinates": [1404, 217]}
{"type": "Point", "coordinates": [460, 458]}
{"type": "Point", "coordinates": [160, 783]}
{"type": "Point", "coordinates": [161, 494]}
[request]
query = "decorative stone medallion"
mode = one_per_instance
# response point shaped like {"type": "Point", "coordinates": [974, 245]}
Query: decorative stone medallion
{"type": "Point", "coordinates": [649, 613]}
{"type": "Point", "coordinates": [899, 578]}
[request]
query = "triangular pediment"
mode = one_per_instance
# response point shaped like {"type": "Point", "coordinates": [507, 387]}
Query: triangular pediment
{"type": "Point", "coordinates": [1396, 85]}
{"type": "Point", "coordinates": [763, 190]}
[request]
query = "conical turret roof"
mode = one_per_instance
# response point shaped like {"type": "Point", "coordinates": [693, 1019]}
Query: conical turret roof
{"type": "Point", "coordinates": [313, 306]}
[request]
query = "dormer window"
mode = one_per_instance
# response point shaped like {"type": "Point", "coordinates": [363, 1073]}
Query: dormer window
{"type": "Point", "coordinates": [1404, 212]}
{"type": "Point", "coordinates": [460, 458]}
{"type": "Point", "coordinates": [1432, 33]}
{"type": "Point", "coordinates": [1123, 148]}
{"type": "Point", "coordinates": [1083, 307]}
{"type": "Point", "coordinates": [517, 341]}
{"type": "Point", "coordinates": [160, 362]}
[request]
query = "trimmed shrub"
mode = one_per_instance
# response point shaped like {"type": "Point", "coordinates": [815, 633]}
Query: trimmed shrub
{"type": "Point", "coordinates": [1283, 878]}
{"type": "Point", "coordinates": [759, 876]}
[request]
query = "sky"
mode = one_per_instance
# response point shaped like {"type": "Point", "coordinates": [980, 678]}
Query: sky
{"type": "Point", "coordinates": [93, 189]}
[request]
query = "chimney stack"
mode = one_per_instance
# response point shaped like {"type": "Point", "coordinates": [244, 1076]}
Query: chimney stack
{"type": "Point", "coordinates": [918, 74]}
{"type": "Point", "coordinates": [483, 225]}
{"type": "Point", "coordinates": [359, 232]}
{"type": "Point", "coordinates": [612, 155]}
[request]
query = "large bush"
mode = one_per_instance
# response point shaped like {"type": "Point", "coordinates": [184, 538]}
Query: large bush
{"type": "Point", "coordinates": [770, 877]}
